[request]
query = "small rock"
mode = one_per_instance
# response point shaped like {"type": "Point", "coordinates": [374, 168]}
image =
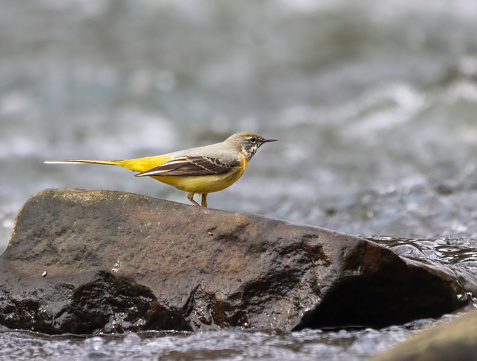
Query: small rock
{"type": "Point", "coordinates": [455, 340]}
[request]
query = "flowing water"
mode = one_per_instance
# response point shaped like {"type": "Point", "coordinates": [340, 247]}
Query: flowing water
{"type": "Point", "coordinates": [374, 104]}
{"type": "Point", "coordinates": [232, 345]}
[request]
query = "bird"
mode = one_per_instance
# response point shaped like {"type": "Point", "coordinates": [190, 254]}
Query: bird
{"type": "Point", "coordinates": [200, 170]}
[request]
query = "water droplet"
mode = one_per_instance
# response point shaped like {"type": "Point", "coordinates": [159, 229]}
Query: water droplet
{"type": "Point", "coordinates": [116, 266]}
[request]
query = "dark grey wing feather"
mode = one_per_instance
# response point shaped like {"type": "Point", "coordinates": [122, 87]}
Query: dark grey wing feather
{"type": "Point", "coordinates": [191, 166]}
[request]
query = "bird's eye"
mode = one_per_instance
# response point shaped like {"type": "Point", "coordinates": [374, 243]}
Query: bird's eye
{"type": "Point", "coordinates": [253, 140]}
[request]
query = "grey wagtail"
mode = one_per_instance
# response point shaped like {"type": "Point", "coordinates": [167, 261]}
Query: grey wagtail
{"type": "Point", "coordinates": [201, 170]}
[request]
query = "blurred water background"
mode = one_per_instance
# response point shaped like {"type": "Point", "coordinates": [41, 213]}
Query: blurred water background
{"type": "Point", "coordinates": [374, 103]}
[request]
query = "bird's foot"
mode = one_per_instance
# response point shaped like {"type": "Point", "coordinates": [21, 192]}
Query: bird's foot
{"type": "Point", "coordinates": [190, 197]}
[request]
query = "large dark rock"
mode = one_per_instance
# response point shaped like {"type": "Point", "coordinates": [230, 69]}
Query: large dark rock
{"type": "Point", "coordinates": [87, 261]}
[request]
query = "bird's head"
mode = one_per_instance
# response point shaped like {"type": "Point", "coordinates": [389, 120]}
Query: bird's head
{"type": "Point", "coordinates": [247, 143]}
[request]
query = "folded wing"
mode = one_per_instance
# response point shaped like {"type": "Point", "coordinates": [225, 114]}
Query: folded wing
{"type": "Point", "coordinates": [191, 166]}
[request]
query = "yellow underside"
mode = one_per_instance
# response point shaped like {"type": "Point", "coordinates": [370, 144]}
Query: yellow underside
{"type": "Point", "coordinates": [196, 184]}
{"type": "Point", "coordinates": [202, 184]}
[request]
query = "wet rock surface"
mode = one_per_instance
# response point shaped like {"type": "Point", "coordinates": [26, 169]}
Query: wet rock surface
{"type": "Point", "coordinates": [84, 261]}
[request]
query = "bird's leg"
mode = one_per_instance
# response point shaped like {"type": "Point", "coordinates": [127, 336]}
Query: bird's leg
{"type": "Point", "coordinates": [204, 200]}
{"type": "Point", "coordinates": [190, 196]}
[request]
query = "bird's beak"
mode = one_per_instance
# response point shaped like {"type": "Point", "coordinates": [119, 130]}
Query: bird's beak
{"type": "Point", "coordinates": [269, 140]}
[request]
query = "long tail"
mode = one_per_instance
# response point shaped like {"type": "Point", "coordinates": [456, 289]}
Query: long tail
{"type": "Point", "coordinates": [137, 164]}
{"type": "Point", "coordinates": [85, 161]}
